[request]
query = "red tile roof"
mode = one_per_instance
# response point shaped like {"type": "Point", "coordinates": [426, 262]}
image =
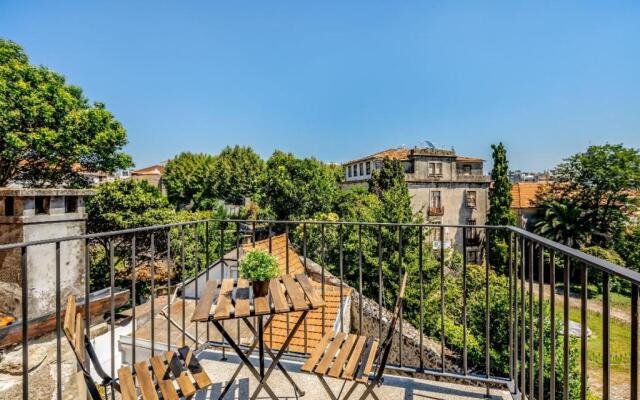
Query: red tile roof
{"type": "Point", "coordinates": [524, 194]}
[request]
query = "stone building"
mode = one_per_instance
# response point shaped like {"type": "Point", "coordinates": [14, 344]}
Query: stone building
{"type": "Point", "coordinates": [152, 174]}
{"type": "Point", "coordinates": [445, 188]}
{"type": "Point", "coordinates": [41, 214]}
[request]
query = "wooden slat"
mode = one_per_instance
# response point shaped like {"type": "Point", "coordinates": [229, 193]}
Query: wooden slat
{"type": "Point", "coordinates": [310, 291]}
{"type": "Point", "coordinates": [368, 363]}
{"type": "Point", "coordinates": [82, 385]}
{"type": "Point", "coordinates": [70, 318]}
{"type": "Point", "coordinates": [193, 365]}
{"type": "Point", "coordinates": [261, 305]}
{"type": "Point", "coordinates": [242, 300]}
{"type": "Point", "coordinates": [223, 305]}
{"type": "Point", "coordinates": [163, 378]}
{"type": "Point", "coordinates": [182, 377]}
{"type": "Point", "coordinates": [316, 353]}
{"type": "Point", "coordinates": [327, 359]}
{"type": "Point", "coordinates": [127, 387]}
{"type": "Point", "coordinates": [147, 387]}
{"type": "Point", "coordinates": [354, 359]}
{"type": "Point", "coordinates": [278, 297]}
{"type": "Point", "coordinates": [79, 339]}
{"type": "Point", "coordinates": [341, 359]}
{"type": "Point", "coordinates": [203, 306]}
{"type": "Point", "coordinates": [295, 293]}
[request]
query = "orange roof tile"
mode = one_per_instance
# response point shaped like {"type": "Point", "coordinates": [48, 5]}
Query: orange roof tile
{"type": "Point", "coordinates": [524, 194]}
{"type": "Point", "coordinates": [279, 251]}
{"type": "Point", "coordinates": [157, 169]}
{"type": "Point", "coordinates": [276, 334]}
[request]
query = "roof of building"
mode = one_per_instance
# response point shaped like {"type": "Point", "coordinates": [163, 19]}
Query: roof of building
{"type": "Point", "coordinates": [524, 194]}
{"type": "Point", "coordinates": [405, 153]}
{"type": "Point", "coordinates": [157, 169]}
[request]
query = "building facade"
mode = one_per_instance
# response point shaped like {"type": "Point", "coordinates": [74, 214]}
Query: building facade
{"type": "Point", "coordinates": [445, 188]}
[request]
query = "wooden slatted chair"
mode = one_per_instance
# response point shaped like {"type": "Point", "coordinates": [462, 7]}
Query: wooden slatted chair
{"type": "Point", "coordinates": [169, 376]}
{"type": "Point", "coordinates": [352, 357]}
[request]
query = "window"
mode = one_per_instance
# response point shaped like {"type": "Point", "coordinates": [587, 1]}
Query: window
{"type": "Point", "coordinates": [435, 199]}
{"type": "Point", "coordinates": [472, 257]}
{"type": "Point", "coordinates": [368, 166]}
{"type": "Point", "coordinates": [361, 169]}
{"type": "Point", "coordinates": [42, 204]}
{"type": "Point", "coordinates": [8, 206]}
{"type": "Point", "coordinates": [71, 204]}
{"type": "Point", "coordinates": [349, 171]}
{"type": "Point", "coordinates": [408, 167]}
{"type": "Point", "coordinates": [435, 168]}
{"type": "Point", "coordinates": [471, 198]}
{"type": "Point", "coordinates": [466, 169]}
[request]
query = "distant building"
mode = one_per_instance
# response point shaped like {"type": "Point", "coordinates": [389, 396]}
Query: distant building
{"type": "Point", "coordinates": [522, 176]}
{"type": "Point", "coordinates": [523, 203]}
{"type": "Point", "coordinates": [445, 188]}
{"type": "Point", "coordinates": [152, 174]}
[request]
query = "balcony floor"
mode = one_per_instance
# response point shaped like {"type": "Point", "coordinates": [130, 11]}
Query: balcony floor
{"type": "Point", "coordinates": [394, 387]}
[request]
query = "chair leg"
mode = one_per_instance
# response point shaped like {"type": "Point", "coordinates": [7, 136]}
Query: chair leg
{"type": "Point", "coordinates": [327, 388]}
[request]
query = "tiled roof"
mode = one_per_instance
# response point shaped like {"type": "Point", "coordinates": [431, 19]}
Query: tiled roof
{"type": "Point", "coordinates": [279, 251]}
{"type": "Point", "coordinates": [275, 336]}
{"type": "Point", "coordinates": [157, 169]}
{"type": "Point", "coordinates": [405, 153]}
{"type": "Point", "coordinates": [524, 194]}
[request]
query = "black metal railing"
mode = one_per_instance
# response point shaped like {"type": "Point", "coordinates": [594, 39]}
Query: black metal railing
{"type": "Point", "coordinates": [452, 303]}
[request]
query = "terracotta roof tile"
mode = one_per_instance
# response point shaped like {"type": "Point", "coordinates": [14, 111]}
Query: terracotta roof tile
{"type": "Point", "coordinates": [279, 251]}
{"type": "Point", "coordinates": [524, 194]}
{"type": "Point", "coordinates": [157, 169]}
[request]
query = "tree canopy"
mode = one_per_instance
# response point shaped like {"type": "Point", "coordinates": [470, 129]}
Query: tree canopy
{"type": "Point", "coordinates": [603, 182]}
{"type": "Point", "coordinates": [294, 188]}
{"type": "Point", "coordinates": [186, 177]}
{"type": "Point", "coordinates": [125, 204]}
{"type": "Point", "coordinates": [49, 131]}
{"type": "Point", "coordinates": [236, 174]}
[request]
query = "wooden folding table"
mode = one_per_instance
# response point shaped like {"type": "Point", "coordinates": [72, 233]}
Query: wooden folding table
{"type": "Point", "coordinates": [232, 299]}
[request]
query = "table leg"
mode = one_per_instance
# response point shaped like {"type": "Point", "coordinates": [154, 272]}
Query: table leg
{"type": "Point", "coordinates": [276, 361]}
{"type": "Point", "coordinates": [244, 359]}
{"type": "Point", "coordinates": [273, 356]}
{"type": "Point", "coordinates": [261, 346]}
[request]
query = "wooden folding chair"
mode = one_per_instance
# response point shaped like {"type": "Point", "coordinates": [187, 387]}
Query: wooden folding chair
{"type": "Point", "coordinates": [352, 357]}
{"type": "Point", "coordinates": [170, 375]}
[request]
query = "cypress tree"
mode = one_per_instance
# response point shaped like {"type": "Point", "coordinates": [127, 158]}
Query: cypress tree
{"type": "Point", "coordinates": [499, 207]}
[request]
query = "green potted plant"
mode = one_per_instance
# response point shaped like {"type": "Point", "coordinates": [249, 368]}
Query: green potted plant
{"type": "Point", "coordinates": [259, 267]}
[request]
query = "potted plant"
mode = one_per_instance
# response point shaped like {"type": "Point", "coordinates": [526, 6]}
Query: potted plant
{"type": "Point", "coordinates": [259, 267]}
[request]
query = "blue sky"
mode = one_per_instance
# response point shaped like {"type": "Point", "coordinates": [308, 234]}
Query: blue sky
{"type": "Point", "coordinates": [338, 81]}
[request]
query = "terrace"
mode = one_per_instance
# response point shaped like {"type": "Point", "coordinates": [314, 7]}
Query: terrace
{"type": "Point", "coordinates": [487, 338]}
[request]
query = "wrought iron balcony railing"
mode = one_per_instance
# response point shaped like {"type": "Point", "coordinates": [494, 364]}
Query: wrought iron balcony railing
{"type": "Point", "coordinates": [524, 357]}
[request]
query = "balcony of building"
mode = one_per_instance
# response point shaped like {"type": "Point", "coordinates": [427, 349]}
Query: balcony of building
{"type": "Point", "coordinates": [465, 332]}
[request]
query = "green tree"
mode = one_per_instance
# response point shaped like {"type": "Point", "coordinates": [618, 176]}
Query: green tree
{"type": "Point", "coordinates": [236, 175]}
{"type": "Point", "coordinates": [602, 182]}
{"type": "Point", "coordinates": [499, 207]}
{"type": "Point", "coordinates": [186, 177]}
{"type": "Point", "coordinates": [48, 129]}
{"type": "Point", "coordinates": [126, 204]}
{"type": "Point", "coordinates": [297, 188]}
{"type": "Point", "coordinates": [391, 175]}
